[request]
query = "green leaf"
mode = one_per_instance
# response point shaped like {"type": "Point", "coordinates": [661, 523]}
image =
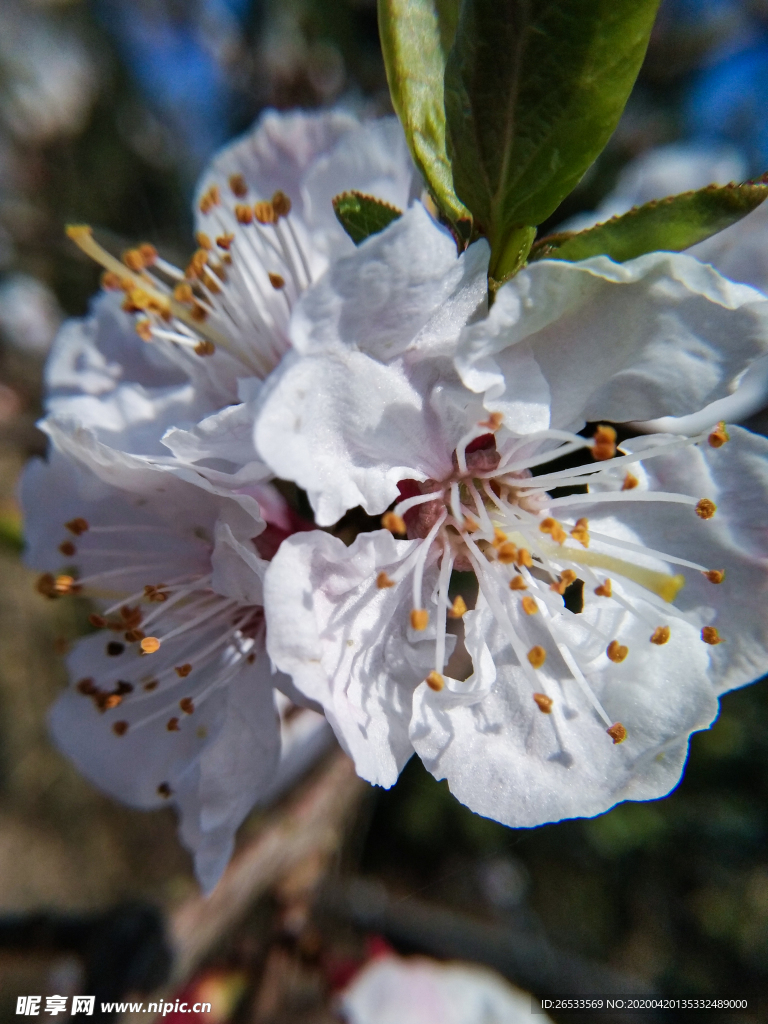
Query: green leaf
{"type": "Point", "coordinates": [416, 36]}
{"type": "Point", "coordinates": [671, 224]}
{"type": "Point", "coordinates": [362, 216]}
{"type": "Point", "coordinates": [533, 91]}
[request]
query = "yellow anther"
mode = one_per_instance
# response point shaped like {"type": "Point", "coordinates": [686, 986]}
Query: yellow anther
{"type": "Point", "coordinates": [264, 213]}
{"type": "Point", "coordinates": [393, 522]}
{"type": "Point", "coordinates": [537, 656]}
{"type": "Point", "coordinates": [203, 240]}
{"type": "Point", "coordinates": [144, 329]}
{"type": "Point", "coordinates": [543, 702]}
{"type": "Point", "coordinates": [706, 508]}
{"type": "Point", "coordinates": [238, 185]}
{"type": "Point", "coordinates": [517, 583]}
{"type": "Point", "coordinates": [150, 644]}
{"type": "Point", "coordinates": [281, 204]}
{"type": "Point", "coordinates": [630, 482]}
{"type": "Point", "coordinates": [435, 681]}
{"type": "Point", "coordinates": [605, 589]}
{"type": "Point", "coordinates": [133, 259]}
{"type": "Point", "coordinates": [567, 577]}
{"type": "Point", "coordinates": [419, 619]}
{"type": "Point", "coordinates": [523, 557]}
{"type": "Point", "coordinates": [493, 422]}
{"type": "Point", "coordinates": [507, 553]}
{"type": "Point", "coordinates": [661, 635]}
{"type": "Point", "coordinates": [187, 705]}
{"type": "Point", "coordinates": [605, 443]}
{"type": "Point", "coordinates": [616, 652]}
{"type": "Point", "coordinates": [119, 728]}
{"type": "Point", "coordinates": [66, 585]}
{"type": "Point", "coordinates": [710, 636]}
{"type": "Point", "coordinates": [276, 281]}
{"type": "Point", "coordinates": [183, 292]}
{"type": "Point", "coordinates": [458, 608]}
{"type": "Point", "coordinates": [111, 282]}
{"type": "Point", "coordinates": [715, 575]}
{"type": "Point", "coordinates": [529, 606]}
{"type": "Point", "coordinates": [182, 671]}
{"type": "Point", "coordinates": [554, 529]}
{"type": "Point", "coordinates": [243, 213]}
{"type": "Point", "coordinates": [383, 581]}
{"type": "Point", "coordinates": [210, 199]}
{"type": "Point", "coordinates": [197, 264]}
{"type": "Point", "coordinates": [499, 537]}
{"type": "Point", "coordinates": [617, 732]}
{"type": "Point", "coordinates": [719, 435]}
{"type": "Point", "coordinates": [580, 532]}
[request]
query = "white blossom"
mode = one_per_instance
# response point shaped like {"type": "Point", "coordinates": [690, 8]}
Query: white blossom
{"type": "Point", "coordinates": [574, 700]}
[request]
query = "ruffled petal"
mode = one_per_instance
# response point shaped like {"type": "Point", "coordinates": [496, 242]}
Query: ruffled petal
{"type": "Point", "coordinates": [659, 335]}
{"type": "Point", "coordinates": [347, 428]}
{"type": "Point", "coordinates": [347, 642]}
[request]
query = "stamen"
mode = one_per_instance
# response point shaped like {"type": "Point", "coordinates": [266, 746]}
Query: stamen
{"type": "Point", "coordinates": [543, 702]}
{"type": "Point", "coordinates": [706, 508]}
{"type": "Point", "coordinates": [715, 575]}
{"type": "Point", "coordinates": [710, 636]}
{"type": "Point", "coordinates": [458, 608]}
{"type": "Point", "coordinates": [617, 732]}
{"type": "Point", "coordinates": [77, 526]}
{"type": "Point", "coordinates": [719, 436]}
{"type": "Point", "coordinates": [567, 577]}
{"type": "Point", "coordinates": [554, 529]}
{"type": "Point", "coordinates": [383, 581]}
{"type": "Point", "coordinates": [120, 728]}
{"type": "Point", "coordinates": [661, 635]}
{"type": "Point", "coordinates": [537, 656]}
{"type": "Point", "coordinates": [150, 644]}
{"type": "Point", "coordinates": [604, 446]}
{"type": "Point", "coordinates": [529, 606]}
{"type": "Point", "coordinates": [617, 652]}
{"type": "Point", "coordinates": [419, 619]}
{"type": "Point", "coordinates": [517, 583]}
{"type": "Point", "coordinates": [394, 523]}
{"type": "Point", "coordinates": [435, 681]}
{"type": "Point", "coordinates": [604, 590]}
{"type": "Point", "coordinates": [630, 482]}
{"type": "Point", "coordinates": [580, 532]}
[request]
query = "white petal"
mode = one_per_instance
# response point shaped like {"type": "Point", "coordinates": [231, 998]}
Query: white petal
{"type": "Point", "coordinates": [379, 298]}
{"type": "Point", "coordinates": [507, 760]}
{"type": "Point", "coordinates": [659, 335]}
{"type": "Point", "coordinates": [347, 429]}
{"type": "Point", "coordinates": [347, 643]}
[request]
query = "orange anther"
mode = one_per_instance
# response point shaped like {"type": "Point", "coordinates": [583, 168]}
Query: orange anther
{"type": "Point", "coordinates": [276, 281]}
{"type": "Point", "coordinates": [172, 725]}
{"type": "Point", "coordinates": [630, 482]}
{"type": "Point", "coordinates": [150, 644]}
{"type": "Point", "coordinates": [144, 329]}
{"type": "Point", "coordinates": [616, 652]}
{"type": "Point", "coordinates": [203, 240]}
{"type": "Point", "coordinates": [458, 608]}
{"type": "Point", "coordinates": [68, 548]}
{"type": "Point", "coordinates": [182, 671]}
{"type": "Point", "coordinates": [517, 583]}
{"type": "Point", "coordinates": [617, 732]}
{"type": "Point", "coordinates": [715, 575]}
{"type": "Point", "coordinates": [706, 508]}
{"type": "Point", "coordinates": [710, 636]}
{"type": "Point", "coordinates": [543, 702]}
{"type": "Point", "coordinates": [537, 656]}
{"type": "Point", "coordinates": [183, 292]}
{"type": "Point", "coordinates": [133, 259]}
{"type": "Point", "coordinates": [493, 422]}
{"type": "Point", "coordinates": [507, 553]}
{"type": "Point", "coordinates": [529, 606]}
{"type": "Point", "coordinates": [111, 282]}
{"type": "Point", "coordinates": [187, 705]}
{"type": "Point", "coordinates": [393, 522]}
{"type": "Point", "coordinates": [580, 532]}
{"type": "Point", "coordinates": [554, 529]}
{"type": "Point", "coordinates": [264, 213]}
{"type": "Point", "coordinates": [148, 253]}
{"type": "Point", "coordinates": [281, 204]}
{"type": "Point", "coordinates": [383, 581]}
{"type": "Point", "coordinates": [567, 576]}
{"type": "Point", "coordinates": [225, 241]}
{"type": "Point", "coordinates": [435, 681]}
{"type": "Point", "coordinates": [605, 443]}
{"type": "Point", "coordinates": [119, 728]}
{"type": "Point", "coordinates": [77, 526]}
{"type": "Point", "coordinates": [719, 436]}
{"type": "Point", "coordinates": [238, 185]}
{"type": "Point", "coordinates": [661, 635]}
{"type": "Point", "coordinates": [524, 558]}
{"type": "Point", "coordinates": [419, 619]}
{"type": "Point", "coordinates": [605, 589]}
{"type": "Point", "coordinates": [243, 213]}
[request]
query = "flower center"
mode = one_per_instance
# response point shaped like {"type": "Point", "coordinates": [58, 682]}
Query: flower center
{"type": "Point", "coordinates": [493, 516]}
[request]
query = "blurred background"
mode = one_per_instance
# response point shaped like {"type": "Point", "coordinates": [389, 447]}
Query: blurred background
{"type": "Point", "coordinates": [109, 109]}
